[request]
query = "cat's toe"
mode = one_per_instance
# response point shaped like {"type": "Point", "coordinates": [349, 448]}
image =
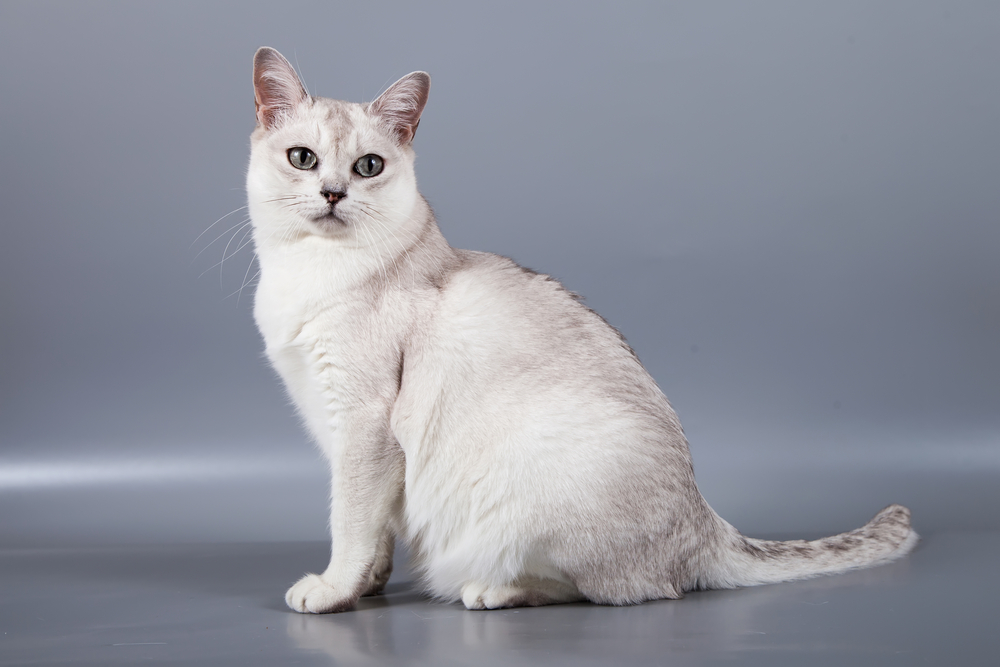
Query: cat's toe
{"type": "Point", "coordinates": [472, 596]}
{"type": "Point", "coordinates": [534, 593]}
{"type": "Point", "coordinates": [312, 595]}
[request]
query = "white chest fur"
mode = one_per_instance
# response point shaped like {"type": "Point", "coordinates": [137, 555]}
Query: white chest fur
{"type": "Point", "coordinates": [305, 342]}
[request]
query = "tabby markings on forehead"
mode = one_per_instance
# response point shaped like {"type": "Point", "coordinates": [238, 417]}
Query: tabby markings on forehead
{"type": "Point", "coordinates": [338, 114]}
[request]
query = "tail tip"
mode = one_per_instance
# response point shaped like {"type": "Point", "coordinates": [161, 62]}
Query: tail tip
{"type": "Point", "coordinates": [894, 522]}
{"type": "Point", "coordinates": [893, 514]}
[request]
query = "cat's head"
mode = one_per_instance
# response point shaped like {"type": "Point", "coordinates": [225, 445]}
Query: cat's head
{"type": "Point", "coordinates": [331, 169]}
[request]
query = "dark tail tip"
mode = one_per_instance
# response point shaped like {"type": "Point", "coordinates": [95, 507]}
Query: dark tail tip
{"type": "Point", "coordinates": [893, 520]}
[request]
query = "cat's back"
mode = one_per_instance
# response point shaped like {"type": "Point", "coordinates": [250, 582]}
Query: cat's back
{"type": "Point", "coordinates": [516, 342]}
{"type": "Point", "coordinates": [491, 302]}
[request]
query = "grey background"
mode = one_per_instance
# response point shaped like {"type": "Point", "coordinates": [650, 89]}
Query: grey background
{"type": "Point", "coordinates": [790, 209]}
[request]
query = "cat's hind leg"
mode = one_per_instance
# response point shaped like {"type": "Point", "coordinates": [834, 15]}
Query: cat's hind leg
{"type": "Point", "coordinates": [523, 593]}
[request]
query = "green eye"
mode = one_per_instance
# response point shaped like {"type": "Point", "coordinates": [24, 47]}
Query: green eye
{"type": "Point", "coordinates": [369, 165]}
{"type": "Point", "coordinates": [302, 158]}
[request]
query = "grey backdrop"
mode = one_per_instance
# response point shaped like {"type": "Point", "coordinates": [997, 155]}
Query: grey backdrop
{"type": "Point", "coordinates": [790, 209]}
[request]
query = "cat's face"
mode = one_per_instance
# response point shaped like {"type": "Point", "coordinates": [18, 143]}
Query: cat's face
{"type": "Point", "coordinates": [328, 168]}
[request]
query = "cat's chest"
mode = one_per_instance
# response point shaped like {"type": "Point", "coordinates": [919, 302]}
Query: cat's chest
{"type": "Point", "coordinates": [307, 351]}
{"type": "Point", "coordinates": [331, 353]}
{"type": "Point", "coordinates": [308, 340]}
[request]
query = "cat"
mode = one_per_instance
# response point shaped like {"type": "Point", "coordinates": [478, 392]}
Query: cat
{"type": "Point", "coordinates": [473, 408]}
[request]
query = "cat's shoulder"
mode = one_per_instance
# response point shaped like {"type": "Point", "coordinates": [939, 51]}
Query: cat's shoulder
{"type": "Point", "coordinates": [480, 267]}
{"type": "Point", "coordinates": [482, 280]}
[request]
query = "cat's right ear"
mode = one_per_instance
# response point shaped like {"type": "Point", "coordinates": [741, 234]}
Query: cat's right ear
{"type": "Point", "coordinates": [276, 87]}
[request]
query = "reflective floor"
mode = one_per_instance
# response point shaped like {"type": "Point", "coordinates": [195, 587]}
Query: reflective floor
{"type": "Point", "coordinates": [222, 605]}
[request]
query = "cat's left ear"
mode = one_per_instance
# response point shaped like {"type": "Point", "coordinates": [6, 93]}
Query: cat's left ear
{"type": "Point", "coordinates": [276, 87]}
{"type": "Point", "coordinates": [400, 106]}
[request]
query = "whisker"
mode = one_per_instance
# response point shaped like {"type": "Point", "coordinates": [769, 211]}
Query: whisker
{"type": "Point", "coordinates": [240, 290]}
{"type": "Point", "coordinates": [364, 230]}
{"type": "Point", "coordinates": [416, 240]}
{"type": "Point", "coordinates": [246, 221]}
{"type": "Point", "coordinates": [389, 234]}
{"type": "Point", "coordinates": [246, 282]}
{"type": "Point", "coordinates": [244, 242]}
{"type": "Point", "coordinates": [239, 246]}
{"type": "Point", "coordinates": [283, 198]}
{"type": "Point", "coordinates": [225, 256]}
{"type": "Point", "coordinates": [214, 224]}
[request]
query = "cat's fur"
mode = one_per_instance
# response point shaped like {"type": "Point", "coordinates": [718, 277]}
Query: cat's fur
{"type": "Point", "coordinates": [473, 408]}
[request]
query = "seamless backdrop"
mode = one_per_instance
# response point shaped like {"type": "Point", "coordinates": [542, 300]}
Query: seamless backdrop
{"type": "Point", "coordinates": [789, 209]}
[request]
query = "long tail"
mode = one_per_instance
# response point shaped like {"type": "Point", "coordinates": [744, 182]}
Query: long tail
{"type": "Point", "coordinates": [744, 561]}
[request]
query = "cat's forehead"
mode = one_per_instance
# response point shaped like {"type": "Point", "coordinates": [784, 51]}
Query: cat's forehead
{"type": "Point", "coordinates": [323, 122]}
{"type": "Point", "coordinates": [328, 122]}
{"type": "Point", "coordinates": [337, 115]}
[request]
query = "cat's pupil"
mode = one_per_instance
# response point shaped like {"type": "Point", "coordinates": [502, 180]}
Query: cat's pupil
{"type": "Point", "coordinates": [369, 165]}
{"type": "Point", "coordinates": [302, 158]}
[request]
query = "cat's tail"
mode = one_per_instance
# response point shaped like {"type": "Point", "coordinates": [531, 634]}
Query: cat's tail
{"type": "Point", "coordinates": [744, 561]}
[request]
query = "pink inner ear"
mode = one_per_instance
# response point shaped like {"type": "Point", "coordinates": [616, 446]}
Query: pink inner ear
{"type": "Point", "coordinates": [277, 88]}
{"type": "Point", "coordinates": [401, 105]}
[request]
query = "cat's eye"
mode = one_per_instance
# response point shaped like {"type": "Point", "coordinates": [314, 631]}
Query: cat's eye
{"type": "Point", "coordinates": [369, 165]}
{"type": "Point", "coordinates": [302, 158]}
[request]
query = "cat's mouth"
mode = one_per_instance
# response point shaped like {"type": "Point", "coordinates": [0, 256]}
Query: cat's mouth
{"type": "Point", "coordinates": [329, 219]}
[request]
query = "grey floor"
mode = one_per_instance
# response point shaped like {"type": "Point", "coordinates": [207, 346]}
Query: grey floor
{"type": "Point", "coordinates": [222, 604]}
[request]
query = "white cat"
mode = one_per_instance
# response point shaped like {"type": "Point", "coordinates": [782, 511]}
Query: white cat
{"type": "Point", "coordinates": [471, 407]}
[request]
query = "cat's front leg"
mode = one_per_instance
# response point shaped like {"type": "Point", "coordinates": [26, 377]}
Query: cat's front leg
{"type": "Point", "coordinates": [382, 569]}
{"type": "Point", "coordinates": [367, 480]}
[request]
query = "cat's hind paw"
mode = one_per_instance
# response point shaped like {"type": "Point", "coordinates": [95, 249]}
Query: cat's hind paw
{"type": "Point", "coordinates": [312, 595]}
{"type": "Point", "coordinates": [477, 595]}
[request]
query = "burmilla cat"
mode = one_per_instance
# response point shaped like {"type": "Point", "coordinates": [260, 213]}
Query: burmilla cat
{"type": "Point", "coordinates": [471, 407]}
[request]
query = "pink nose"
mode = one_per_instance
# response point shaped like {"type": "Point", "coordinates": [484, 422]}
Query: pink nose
{"type": "Point", "coordinates": [333, 195]}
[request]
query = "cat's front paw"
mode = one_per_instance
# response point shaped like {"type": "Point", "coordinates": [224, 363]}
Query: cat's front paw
{"type": "Point", "coordinates": [312, 595]}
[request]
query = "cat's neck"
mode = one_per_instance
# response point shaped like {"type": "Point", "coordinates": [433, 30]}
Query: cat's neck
{"type": "Point", "coordinates": [320, 266]}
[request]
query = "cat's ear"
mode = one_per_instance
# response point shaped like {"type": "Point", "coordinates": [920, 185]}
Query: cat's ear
{"type": "Point", "coordinates": [400, 106]}
{"type": "Point", "coordinates": [276, 87]}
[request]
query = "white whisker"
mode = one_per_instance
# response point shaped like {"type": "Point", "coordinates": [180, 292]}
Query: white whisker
{"type": "Point", "coordinates": [371, 243]}
{"type": "Point", "coordinates": [245, 221]}
{"type": "Point", "coordinates": [404, 251]}
{"type": "Point", "coordinates": [245, 281]}
{"type": "Point", "coordinates": [225, 251]}
{"type": "Point", "coordinates": [214, 224]}
{"type": "Point", "coordinates": [239, 246]}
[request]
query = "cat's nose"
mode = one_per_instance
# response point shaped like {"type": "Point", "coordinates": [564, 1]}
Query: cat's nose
{"type": "Point", "coordinates": [333, 195]}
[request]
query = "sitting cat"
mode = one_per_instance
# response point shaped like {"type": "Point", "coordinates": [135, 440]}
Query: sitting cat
{"type": "Point", "coordinates": [471, 407]}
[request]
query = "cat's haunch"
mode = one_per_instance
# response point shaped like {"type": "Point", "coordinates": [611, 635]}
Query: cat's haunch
{"type": "Point", "coordinates": [470, 407]}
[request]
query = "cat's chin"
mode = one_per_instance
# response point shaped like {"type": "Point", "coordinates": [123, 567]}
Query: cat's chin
{"type": "Point", "coordinates": [329, 224]}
